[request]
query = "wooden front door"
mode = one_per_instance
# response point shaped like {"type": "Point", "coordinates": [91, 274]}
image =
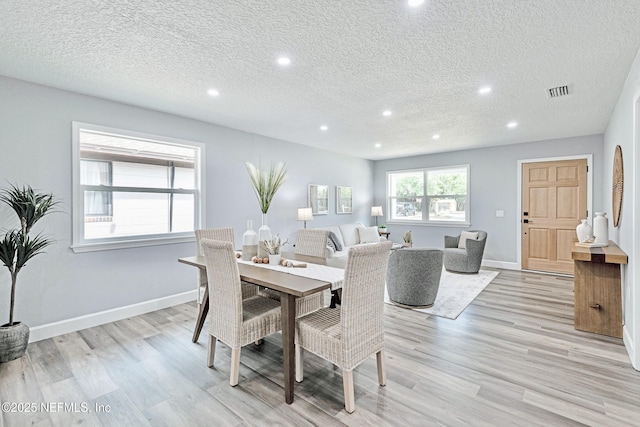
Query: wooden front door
{"type": "Point", "coordinates": [554, 200]}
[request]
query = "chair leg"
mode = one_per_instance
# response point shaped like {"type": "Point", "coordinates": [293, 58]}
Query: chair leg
{"type": "Point", "coordinates": [211, 353]}
{"type": "Point", "coordinates": [235, 366]}
{"type": "Point", "coordinates": [349, 394]}
{"type": "Point", "coordinates": [299, 364]}
{"type": "Point", "coordinates": [382, 375]}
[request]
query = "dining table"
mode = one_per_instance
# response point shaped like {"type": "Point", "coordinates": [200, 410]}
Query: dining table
{"type": "Point", "coordinates": [292, 283]}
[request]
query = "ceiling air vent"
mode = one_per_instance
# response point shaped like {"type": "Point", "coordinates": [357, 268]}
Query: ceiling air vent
{"type": "Point", "coordinates": [557, 92]}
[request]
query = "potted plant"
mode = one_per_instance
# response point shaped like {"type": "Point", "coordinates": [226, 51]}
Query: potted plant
{"type": "Point", "coordinates": [16, 248]}
{"type": "Point", "coordinates": [273, 247]}
{"type": "Point", "coordinates": [265, 184]}
{"type": "Point", "coordinates": [407, 239]}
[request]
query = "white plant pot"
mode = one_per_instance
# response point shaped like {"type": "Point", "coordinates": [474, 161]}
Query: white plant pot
{"type": "Point", "coordinates": [274, 259]}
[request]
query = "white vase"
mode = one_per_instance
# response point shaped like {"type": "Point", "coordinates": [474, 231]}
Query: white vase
{"type": "Point", "coordinates": [274, 259]}
{"type": "Point", "coordinates": [584, 232]}
{"type": "Point", "coordinates": [264, 233]}
{"type": "Point", "coordinates": [601, 228]}
{"type": "Point", "coordinates": [249, 242]}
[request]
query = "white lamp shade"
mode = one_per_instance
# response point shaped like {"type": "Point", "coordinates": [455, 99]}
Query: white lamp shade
{"type": "Point", "coordinates": [305, 214]}
{"type": "Point", "coordinates": [376, 211]}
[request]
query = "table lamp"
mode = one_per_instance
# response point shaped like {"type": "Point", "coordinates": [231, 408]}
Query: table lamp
{"type": "Point", "coordinates": [305, 214]}
{"type": "Point", "coordinates": [376, 211]}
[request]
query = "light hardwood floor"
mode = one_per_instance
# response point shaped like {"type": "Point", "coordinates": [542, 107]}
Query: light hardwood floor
{"type": "Point", "coordinates": [512, 358]}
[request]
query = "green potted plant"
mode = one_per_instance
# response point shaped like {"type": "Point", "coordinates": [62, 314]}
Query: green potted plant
{"type": "Point", "coordinates": [16, 248]}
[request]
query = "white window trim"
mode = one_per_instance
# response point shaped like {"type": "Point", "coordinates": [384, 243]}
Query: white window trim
{"type": "Point", "coordinates": [425, 221]}
{"type": "Point", "coordinates": [79, 244]}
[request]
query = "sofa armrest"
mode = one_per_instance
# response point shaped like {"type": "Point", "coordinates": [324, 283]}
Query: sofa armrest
{"type": "Point", "coordinates": [329, 252]}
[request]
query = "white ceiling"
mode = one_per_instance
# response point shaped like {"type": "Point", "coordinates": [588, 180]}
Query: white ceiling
{"type": "Point", "coordinates": [351, 60]}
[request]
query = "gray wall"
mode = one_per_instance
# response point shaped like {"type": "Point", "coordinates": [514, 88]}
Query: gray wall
{"type": "Point", "coordinates": [494, 176]}
{"type": "Point", "coordinates": [620, 131]}
{"type": "Point", "coordinates": [35, 142]}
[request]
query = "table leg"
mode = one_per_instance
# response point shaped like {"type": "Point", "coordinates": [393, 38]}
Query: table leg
{"type": "Point", "coordinates": [202, 315]}
{"type": "Point", "coordinates": [288, 343]}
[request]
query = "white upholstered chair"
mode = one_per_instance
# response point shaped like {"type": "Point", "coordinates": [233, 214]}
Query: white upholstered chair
{"type": "Point", "coordinates": [346, 336]}
{"type": "Point", "coordinates": [234, 320]}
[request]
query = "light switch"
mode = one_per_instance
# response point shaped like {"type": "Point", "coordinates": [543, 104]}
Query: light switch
{"type": "Point", "coordinates": [500, 214]}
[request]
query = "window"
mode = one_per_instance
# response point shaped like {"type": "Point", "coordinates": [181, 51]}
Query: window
{"type": "Point", "coordinates": [132, 189]}
{"type": "Point", "coordinates": [429, 196]}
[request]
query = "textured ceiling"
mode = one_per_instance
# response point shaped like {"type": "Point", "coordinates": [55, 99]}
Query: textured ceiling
{"type": "Point", "coordinates": [351, 60]}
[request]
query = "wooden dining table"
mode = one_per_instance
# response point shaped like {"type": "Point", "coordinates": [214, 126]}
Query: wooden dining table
{"type": "Point", "coordinates": [289, 285]}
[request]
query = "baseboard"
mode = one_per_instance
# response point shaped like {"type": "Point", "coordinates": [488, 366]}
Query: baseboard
{"type": "Point", "coordinates": [49, 330]}
{"type": "Point", "coordinates": [629, 345]}
{"type": "Point", "coordinates": [500, 264]}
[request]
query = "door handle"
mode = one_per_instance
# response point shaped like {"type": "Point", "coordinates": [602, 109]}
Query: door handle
{"type": "Point", "coordinates": [526, 221]}
{"type": "Point", "coordinates": [596, 306]}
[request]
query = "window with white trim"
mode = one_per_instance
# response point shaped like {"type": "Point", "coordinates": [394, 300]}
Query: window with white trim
{"type": "Point", "coordinates": [133, 189]}
{"type": "Point", "coordinates": [429, 196]}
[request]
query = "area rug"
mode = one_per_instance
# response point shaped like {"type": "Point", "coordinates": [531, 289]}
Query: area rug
{"type": "Point", "coordinates": [455, 293]}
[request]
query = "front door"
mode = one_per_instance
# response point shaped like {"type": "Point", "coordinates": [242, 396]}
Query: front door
{"type": "Point", "coordinates": [554, 200]}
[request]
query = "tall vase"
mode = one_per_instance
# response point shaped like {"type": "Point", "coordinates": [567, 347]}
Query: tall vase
{"type": "Point", "coordinates": [249, 242]}
{"type": "Point", "coordinates": [264, 233]}
{"type": "Point", "coordinates": [584, 232]}
{"type": "Point", "coordinates": [601, 228]}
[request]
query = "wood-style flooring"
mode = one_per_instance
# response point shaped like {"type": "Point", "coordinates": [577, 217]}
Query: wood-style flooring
{"type": "Point", "coordinates": [513, 357]}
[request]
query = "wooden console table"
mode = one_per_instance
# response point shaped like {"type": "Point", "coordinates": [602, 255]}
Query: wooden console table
{"type": "Point", "coordinates": [597, 294]}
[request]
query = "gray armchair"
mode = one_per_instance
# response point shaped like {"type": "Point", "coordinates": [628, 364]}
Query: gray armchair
{"type": "Point", "coordinates": [464, 260]}
{"type": "Point", "coordinates": [413, 276]}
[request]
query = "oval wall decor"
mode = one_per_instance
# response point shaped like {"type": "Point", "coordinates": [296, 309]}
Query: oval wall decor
{"type": "Point", "coordinates": [618, 185]}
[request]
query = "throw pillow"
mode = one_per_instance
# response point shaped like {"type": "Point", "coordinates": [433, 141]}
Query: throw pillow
{"type": "Point", "coordinates": [462, 243]}
{"type": "Point", "coordinates": [337, 246]}
{"type": "Point", "coordinates": [330, 244]}
{"type": "Point", "coordinates": [368, 234]}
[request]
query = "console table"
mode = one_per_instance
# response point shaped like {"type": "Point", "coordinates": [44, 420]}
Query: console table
{"type": "Point", "coordinates": [597, 293]}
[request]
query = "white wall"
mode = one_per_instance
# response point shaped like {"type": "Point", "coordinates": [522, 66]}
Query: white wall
{"type": "Point", "coordinates": [494, 186]}
{"type": "Point", "coordinates": [35, 147]}
{"type": "Point", "coordinates": [620, 131]}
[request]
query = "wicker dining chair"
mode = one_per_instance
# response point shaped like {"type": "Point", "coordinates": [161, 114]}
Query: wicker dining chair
{"type": "Point", "coordinates": [348, 335]}
{"type": "Point", "coordinates": [309, 243]}
{"type": "Point", "coordinates": [312, 242]}
{"type": "Point", "coordinates": [224, 234]}
{"type": "Point", "coordinates": [236, 321]}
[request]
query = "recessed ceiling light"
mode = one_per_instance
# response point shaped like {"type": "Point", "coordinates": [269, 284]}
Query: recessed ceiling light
{"type": "Point", "coordinates": [484, 90]}
{"type": "Point", "coordinates": [213, 92]}
{"type": "Point", "coordinates": [378, 145]}
{"type": "Point", "coordinates": [511, 125]}
{"type": "Point", "coordinates": [436, 136]}
{"type": "Point", "coordinates": [386, 113]}
{"type": "Point", "coordinates": [283, 61]}
{"type": "Point", "coordinates": [324, 127]}
{"type": "Point", "coordinates": [414, 3]}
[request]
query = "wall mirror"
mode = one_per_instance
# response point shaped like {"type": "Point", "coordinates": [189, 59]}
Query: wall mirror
{"type": "Point", "coordinates": [319, 199]}
{"type": "Point", "coordinates": [344, 200]}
